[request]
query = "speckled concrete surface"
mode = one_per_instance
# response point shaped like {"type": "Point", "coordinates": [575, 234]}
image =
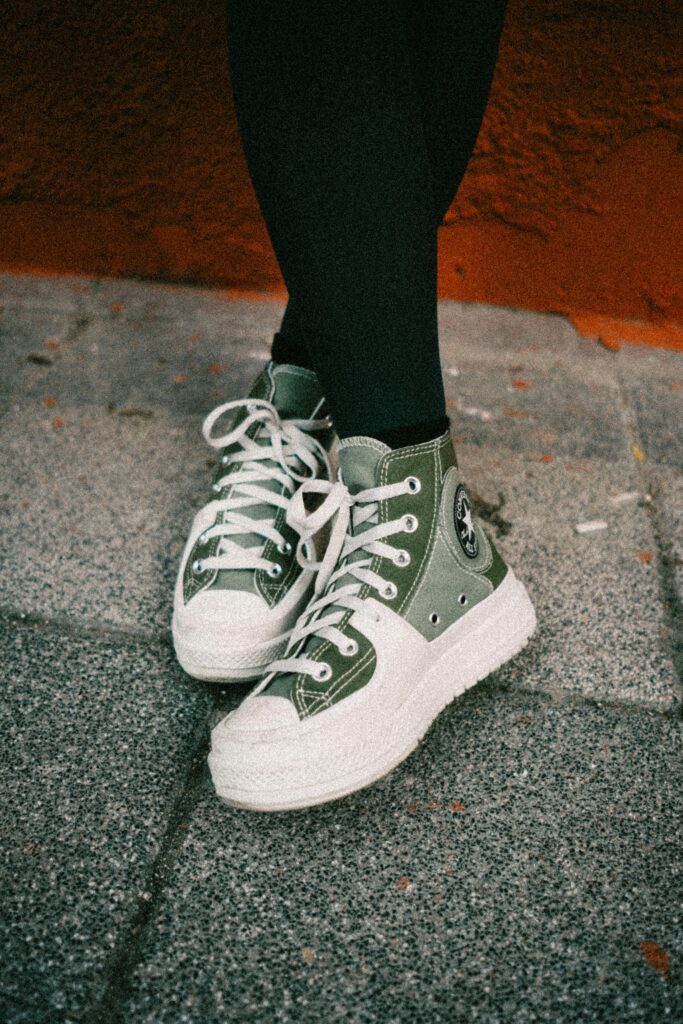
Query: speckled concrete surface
{"type": "Point", "coordinates": [97, 737]}
{"type": "Point", "coordinates": [653, 381]}
{"type": "Point", "coordinates": [29, 345]}
{"type": "Point", "coordinates": [669, 524]}
{"type": "Point", "coordinates": [483, 332]}
{"type": "Point", "coordinates": [93, 513]}
{"type": "Point", "coordinates": [523, 865]}
{"type": "Point", "coordinates": [602, 627]}
{"type": "Point", "coordinates": [190, 349]}
{"type": "Point", "coordinates": [548, 409]}
{"type": "Point", "coordinates": [509, 871]}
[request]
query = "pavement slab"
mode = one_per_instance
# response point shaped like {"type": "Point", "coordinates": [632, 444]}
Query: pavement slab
{"type": "Point", "coordinates": [522, 865]}
{"type": "Point", "coordinates": [23, 292]}
{"type": "Point", "coordinates": [98, 735]}
{"type": "Point", "coordinates": [184, 365]}
{"type": "Point", "coordinates": [175, 366]}
{"type": "Point", "coordinates": [603, 633]}
{"type": "Point", "coordinates": [33, 356]}
{"type": "Point", "coordinates": [116, 299]}
{"type": "Point", "coordinates": [94, 514]}
{"type": "Point", "coordinates": [519, 338]}
{"type": "Point", "coordinates": [547, 410]}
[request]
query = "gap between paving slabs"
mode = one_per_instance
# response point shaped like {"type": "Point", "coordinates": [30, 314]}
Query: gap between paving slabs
{"type": "Point", "coordinates": [132, 944]}
{"type": "Point", "coordinates": [125, 958]}
{"type": "Point", "coordinates": [670, 596]}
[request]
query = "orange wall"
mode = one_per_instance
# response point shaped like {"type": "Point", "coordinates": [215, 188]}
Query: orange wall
{"type": "Point", "coordinates": [119, 155]}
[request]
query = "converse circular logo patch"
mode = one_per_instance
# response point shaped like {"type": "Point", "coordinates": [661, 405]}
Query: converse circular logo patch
{"type": "Point", "coordinates": [464, 527]}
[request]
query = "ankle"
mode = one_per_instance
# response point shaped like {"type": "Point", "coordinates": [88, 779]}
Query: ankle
{"type": "Point", "coordinates": [287, 350]}
{"type": "Point", "coordinates": [415, 433]}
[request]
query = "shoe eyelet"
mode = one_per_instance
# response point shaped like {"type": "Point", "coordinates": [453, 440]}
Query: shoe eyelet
{"type": "Point", "coordinates": [202, 538]}
{"type": "Point", "coordinates": [434, 619]}
{"type": "Point", "coordinates": [323, 672]}
{"type": "Point", "coordinates": [197, 567]}
{"type": "Point", "coordinates": [216, 488]}
{"type": "Point", "coordinates": [350, 649]}
{"type": "Point", "coordinates": [410, 523]}
{"type": "Point", "coordinates": [414, 484]}
{"type": "Point", "coordinates": [275, 570]}
{"type": "Point", "coordinates": [225, 459]}
{"type": "Point", "coordinates": [390, 591]}
{"type": "Point", "coordinates": [285, 549]}
{"type": "Point", "coordinates": [462, 600]}
{"type": "Point", "coordinates": [402, 558]}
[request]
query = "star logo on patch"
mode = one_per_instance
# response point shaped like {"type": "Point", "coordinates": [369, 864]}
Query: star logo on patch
{"type": "Point", "coordinates": [464, 525]}
{"type": "Point", "coordinates": [467, 521]}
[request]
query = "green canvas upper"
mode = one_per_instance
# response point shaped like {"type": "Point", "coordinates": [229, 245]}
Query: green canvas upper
{"type": "Point", "coordinates": [428, 590]}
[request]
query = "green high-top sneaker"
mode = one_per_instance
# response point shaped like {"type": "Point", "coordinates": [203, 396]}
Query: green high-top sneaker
{"type": "Point", "coordinates": [240, 586]}
{"type": "Point", "coordinates": [413, 605]}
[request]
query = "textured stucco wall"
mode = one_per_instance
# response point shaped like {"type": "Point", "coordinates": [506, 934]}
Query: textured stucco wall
{"type": "Point", "coordinates": [119, 154]}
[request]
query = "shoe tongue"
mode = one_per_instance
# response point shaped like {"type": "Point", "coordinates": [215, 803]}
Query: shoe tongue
{"type": "Point", "coordinates": [359, 458]}
{"type": "Point", "coordinates": [295, 391]}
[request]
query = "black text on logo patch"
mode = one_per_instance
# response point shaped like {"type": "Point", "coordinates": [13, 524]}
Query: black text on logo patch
{"type": "Point", "coordinates": [464, 527]}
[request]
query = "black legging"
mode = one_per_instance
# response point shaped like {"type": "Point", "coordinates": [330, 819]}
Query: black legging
{"type": "Point", "coordinates": [357, 119]}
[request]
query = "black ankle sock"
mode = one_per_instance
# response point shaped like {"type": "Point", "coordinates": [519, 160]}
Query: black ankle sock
{"type": "Point", "coordinates": [285, 350]}
{"type": "Point", "coordinates": [417, 433]}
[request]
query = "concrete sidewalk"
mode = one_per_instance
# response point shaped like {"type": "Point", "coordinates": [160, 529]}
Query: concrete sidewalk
{"type": "Point", "coordinates": [523, 865]}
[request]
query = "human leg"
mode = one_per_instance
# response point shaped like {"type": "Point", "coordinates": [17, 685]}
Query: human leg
{"type": "Point", "coordinates": [332, 130]}
{"type": "Point", "coordinates": [453, 49]}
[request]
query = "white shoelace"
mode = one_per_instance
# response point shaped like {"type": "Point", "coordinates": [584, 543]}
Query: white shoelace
{"type": "Point", "coordinates": [294, 457]}
{"type": "Point", "coordinates": [349, 511]}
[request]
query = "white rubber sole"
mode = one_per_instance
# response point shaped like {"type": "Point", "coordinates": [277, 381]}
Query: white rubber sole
{"type": "Point", "coordinates": [345, 757]}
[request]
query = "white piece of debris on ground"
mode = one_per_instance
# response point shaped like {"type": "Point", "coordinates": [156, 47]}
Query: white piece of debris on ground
{"type": "Point", "coordinates": [624, 498]}
{"type": "Point", "coordinates": [591, 526]}
{"type": "Point", "coordinates": [481, 414]}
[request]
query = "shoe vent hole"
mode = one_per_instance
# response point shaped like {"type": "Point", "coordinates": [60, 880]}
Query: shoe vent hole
{"type": "Point", "coordinates": [434, 619]}
{"type": "Point", "coordinates": [462, 599]}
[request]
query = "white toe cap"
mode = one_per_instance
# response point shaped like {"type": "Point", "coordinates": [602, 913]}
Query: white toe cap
{"type": "Point", "coordinates": [257, 714]}
{"type": "Point", "coordinates": [223, 608]}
